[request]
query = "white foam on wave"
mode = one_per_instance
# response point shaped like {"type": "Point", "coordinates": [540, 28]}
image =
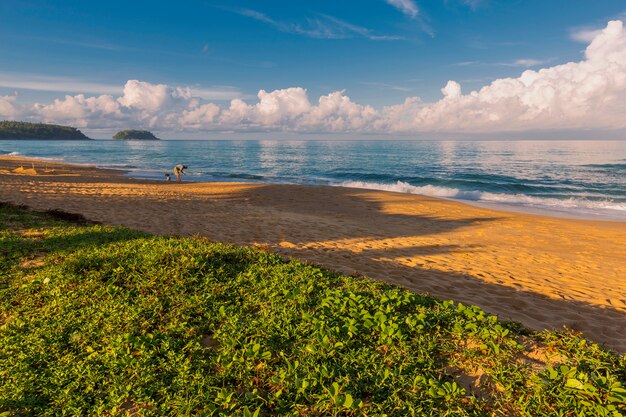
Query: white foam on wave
{"type": "Point", "coordinates": [42, 158]}
{"type": "Point", "coordinates": [570, 204]}
{"type": "Point", "coordinates": [404, 187]}
{"type": "Point", "coordinates": [122, 167]}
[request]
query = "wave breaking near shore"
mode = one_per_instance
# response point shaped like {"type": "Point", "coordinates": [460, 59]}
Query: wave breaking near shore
{"type": "Point", "coordinates": [572, 204]}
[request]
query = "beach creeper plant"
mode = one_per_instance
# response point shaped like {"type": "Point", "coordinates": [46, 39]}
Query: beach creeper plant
{"type": "Point", "coordinates": [96, 320]}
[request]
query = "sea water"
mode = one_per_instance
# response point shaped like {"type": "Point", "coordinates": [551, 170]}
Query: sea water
{"type": "Point", "coordinates": [585, 179]}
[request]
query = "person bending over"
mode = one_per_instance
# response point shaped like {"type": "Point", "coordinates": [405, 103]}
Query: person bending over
{"type": "Point", "coordinates": [179, 169]}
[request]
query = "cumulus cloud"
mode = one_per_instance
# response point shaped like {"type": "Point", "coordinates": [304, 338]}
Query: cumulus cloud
{"type": "Point", "coordinates": [337, 113]}
{"type": "Point", "coordinates": [81, 111]}
{"type": "Point", "coordinates": [7, 107]}
{"type": "Point", "coordinates": [199, 117]}
{"type": "Point", "coordinates": [589, 94]}
{"type": "Point", "coordinates": [152, 97]}
{"type": "Point", "coordinates": [586, 94]}
{"type": "Point", "coordinates": [584, 35]}
{"type": "Point", "coordinates": [289, 109]}
{"type": "Point", "coordinates": [278, 108]}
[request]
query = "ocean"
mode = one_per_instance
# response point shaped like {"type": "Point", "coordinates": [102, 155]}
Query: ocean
{"type": "Point", "coordinates": [583, 179]}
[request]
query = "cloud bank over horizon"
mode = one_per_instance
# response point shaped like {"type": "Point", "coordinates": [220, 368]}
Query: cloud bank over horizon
{"type": "Point", "coordinates": [589, 94]}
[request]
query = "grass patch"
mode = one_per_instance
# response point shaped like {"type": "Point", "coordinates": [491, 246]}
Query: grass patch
{"type": "Point", "coordinates": [98, 320]}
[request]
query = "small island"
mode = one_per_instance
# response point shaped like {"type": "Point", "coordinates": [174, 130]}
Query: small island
{"type": "Point", "coordinates": [11, 130]}
{"type": "Point", "coordinates": [134, 135]}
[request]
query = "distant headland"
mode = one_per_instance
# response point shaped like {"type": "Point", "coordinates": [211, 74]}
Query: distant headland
{"type": "Point", "coordinates": [38, 131]}
{"type": "Point", "coordinates": [134, 135]}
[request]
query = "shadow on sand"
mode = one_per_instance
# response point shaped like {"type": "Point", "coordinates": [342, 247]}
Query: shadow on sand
{"type": "Point", "coordinates": [266, 215]}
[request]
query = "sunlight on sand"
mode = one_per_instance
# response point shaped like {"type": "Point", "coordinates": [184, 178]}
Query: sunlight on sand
{"type": "Point", "coordinates": [544, 272]}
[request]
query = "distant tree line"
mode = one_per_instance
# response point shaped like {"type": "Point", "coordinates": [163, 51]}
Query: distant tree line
{"type": "Point", "coordinates": [26, 130]}
{"type": "Point", "coordinates": [134, 134]}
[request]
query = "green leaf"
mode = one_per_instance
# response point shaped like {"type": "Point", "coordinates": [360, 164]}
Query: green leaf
{"type": "Point", "coordinates": [574, 383]}
{"type": "Point", "coordinates": [248, 413]}
{"type": "Point", "coordinates": [614, 399]}
{"type": "Point", "coordinates": [552, 373]}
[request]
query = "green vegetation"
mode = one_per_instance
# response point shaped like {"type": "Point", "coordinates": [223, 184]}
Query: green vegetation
{"type": "Point", "coordinates": [134, 135]}
{"type": "Point", "coordinates": [98, 320]}
{"type": "Point", "coordinates": [25, 130]}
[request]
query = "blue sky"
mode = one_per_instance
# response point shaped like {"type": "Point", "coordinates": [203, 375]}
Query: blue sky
{"type": "Point", "coordinates": [376, 52]}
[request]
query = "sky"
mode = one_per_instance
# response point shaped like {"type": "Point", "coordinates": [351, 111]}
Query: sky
{"type": "Point", "coordinates": [384, 68]}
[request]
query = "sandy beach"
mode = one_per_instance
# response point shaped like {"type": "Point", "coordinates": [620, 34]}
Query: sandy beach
{"type": "Point", "coordinates": [544, 272]}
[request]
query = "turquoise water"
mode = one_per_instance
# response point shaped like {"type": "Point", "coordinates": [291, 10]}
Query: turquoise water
{"type": "Point", "coordinates": [580, 178]}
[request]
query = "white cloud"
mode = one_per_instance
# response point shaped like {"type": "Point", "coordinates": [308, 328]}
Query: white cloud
{"type": "Point", "coordinates": [55, 84]}
{"type": "Point", "coordinates": [464, 63]}
{"type": "Point", "coordinates": [281, 105]}
{"type": "Point", "coordinates": [584, 35]}
{"type": "Point", "coordinates": [335, 112]}
{"type": "Point", "coordinates": [590, 94]}
{"type": "Point", "coordinates": [152, 97]}
{"type": "Point", "coordinates": [7, 107]}
{"type": "Point", "coordinates": [386, 86]}
{"type": "Point", "coordinates": [217, 93]}
{"type": "Point", "coordinates": [320, 26]}
{"type": "Point", "coordinates": [527, 62]}
{"type": "Point", "coordinates": [452, 90]}
{"type": "Point", "coordinates": [37, 82]}
{"type": "Point", "coordinates": [407, 7]}
{"type": "Point", "coordinates": [522, 62]}
{"type": "Point", "coordinates": [81, 111]}
{"type": "Point", "coordinates": [200, 117]}
{"type": "Point", "coordinates": [277, 108]}
{"type": "Point", "coordinates": [586, 94]}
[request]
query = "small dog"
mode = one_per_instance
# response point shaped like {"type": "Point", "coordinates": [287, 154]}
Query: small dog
{"type": "Point", "coordinates": [168, 176]}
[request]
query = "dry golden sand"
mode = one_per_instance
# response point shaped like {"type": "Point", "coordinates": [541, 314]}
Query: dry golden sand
{"type": "Point", "coordinates": [544, 272]}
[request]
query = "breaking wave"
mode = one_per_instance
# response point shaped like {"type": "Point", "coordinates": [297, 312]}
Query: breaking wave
{"type": "Point", "coordinates": [568, 204]}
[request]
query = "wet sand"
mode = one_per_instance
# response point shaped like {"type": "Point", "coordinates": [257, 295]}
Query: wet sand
{"type": "Point", "coordinates": [544, 272]}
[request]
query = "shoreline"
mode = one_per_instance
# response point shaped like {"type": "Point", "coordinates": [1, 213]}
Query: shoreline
{"type": "Point", "coordinates": [127, 172]}
{"type": "Point", "coordinates": [544, 272]}
{"type": "Point", "coordinates": [539, 211]}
